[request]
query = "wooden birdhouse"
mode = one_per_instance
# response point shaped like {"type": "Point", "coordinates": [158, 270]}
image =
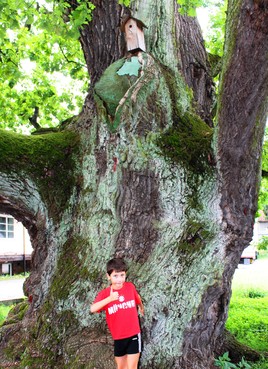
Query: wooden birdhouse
{"type": "Point", "coordinates": [133, 29]}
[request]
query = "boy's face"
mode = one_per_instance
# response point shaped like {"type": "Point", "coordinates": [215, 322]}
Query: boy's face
{"type": "Point", "coordinates": [117, 279]}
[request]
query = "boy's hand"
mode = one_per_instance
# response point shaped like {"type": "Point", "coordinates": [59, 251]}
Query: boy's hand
{"type": "Point", "coordinates": [141, 310]}
{"type": "Point", "coordinates": [114, 295]}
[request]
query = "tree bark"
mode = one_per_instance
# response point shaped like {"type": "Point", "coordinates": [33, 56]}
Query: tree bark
{"type": "Point", "coordinates": [101, 39]}
{"type": "Point", "coordinates": [134, 176]}
{"type": "Point", "coordinates": [236, 350]}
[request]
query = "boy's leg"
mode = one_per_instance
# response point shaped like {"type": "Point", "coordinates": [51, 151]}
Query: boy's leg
{"type": "Point", "coordinates": [132, 361]}
{"type": "Point", "coordinates": [121, 362]}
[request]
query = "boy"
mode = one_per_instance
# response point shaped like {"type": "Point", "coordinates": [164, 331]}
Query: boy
{"type": "Point", "coordinates": [120, 302]}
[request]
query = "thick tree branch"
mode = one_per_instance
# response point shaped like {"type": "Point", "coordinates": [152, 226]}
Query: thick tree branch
{"type": "Point", "coordinates": [242, 110]}
{"type": "Point", "coordinates": [34, 117]}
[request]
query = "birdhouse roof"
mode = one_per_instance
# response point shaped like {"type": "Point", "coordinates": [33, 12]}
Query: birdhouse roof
{"type": "Point", "coordinates": [140, 24]}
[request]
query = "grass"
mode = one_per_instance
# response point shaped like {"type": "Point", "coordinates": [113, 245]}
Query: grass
{"type": "Point", "coordinates": [248, 321]}
{"type": "Point", "coordinates": [263, 364]}
{"type": "Point", "coordinates": [16, 276]}
{"type": "Point", "coordinates": [248, 313]}
{"type": "Point", "coordinates": [4, 309]}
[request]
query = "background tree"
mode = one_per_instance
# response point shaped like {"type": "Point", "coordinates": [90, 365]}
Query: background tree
{"type": "Point", "coordinates": [263, 192]}
{"type": "Point", "coordinates": [135, 175]}
{"type": "Point", "coordinates": [37, 50]}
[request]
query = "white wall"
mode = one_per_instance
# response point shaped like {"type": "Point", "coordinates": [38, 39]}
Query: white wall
{"type": "Point", "coordinates": [18, 245]}
{"type": "Point", "coordinates": [262, 229]}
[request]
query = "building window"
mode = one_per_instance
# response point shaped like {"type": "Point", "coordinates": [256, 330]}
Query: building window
{"type": "Point", "coordinates": [6, 227]}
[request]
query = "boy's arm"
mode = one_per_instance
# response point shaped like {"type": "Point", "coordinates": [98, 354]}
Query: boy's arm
{"type": "Point", "coordinates": [97, 306]}
{"type": "Point", "coordinates": [141, 307]}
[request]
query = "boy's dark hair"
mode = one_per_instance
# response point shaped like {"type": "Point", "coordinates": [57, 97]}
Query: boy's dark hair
{"type": "Point", "coordinates": [117, 265]}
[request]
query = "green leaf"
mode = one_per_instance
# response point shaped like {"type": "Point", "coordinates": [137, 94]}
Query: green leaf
{"type": "Point", "coordinates": [124, 2]}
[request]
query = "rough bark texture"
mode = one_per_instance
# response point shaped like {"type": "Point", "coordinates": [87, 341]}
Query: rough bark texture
{"type": "Point", "coordinates": [102, 41]}
{"type": "Point", "coordinates": [194, 65]}
{"type": "Point", "coordinates": [236, 350]}
{"type": "Point", "coordinates": [125, 178]}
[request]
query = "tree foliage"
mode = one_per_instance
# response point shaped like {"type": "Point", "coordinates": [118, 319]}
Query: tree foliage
{"type": "Point", "coordinates": [41, 61]}
{"type": "Point", "coordinates": [214, 37]}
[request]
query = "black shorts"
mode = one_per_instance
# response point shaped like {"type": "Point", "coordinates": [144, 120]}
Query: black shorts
{"type": "Point", "coordinates": [128, 346]}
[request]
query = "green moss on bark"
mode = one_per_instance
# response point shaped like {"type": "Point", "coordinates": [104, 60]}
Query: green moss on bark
{"type": "Point", "coordinates": [70, 268]}
{"type": "Point", "coordinates": [16, 314]}
{"type": "Point", "coordinates": [187, 142]}
{"type": "Point", "coordinates": [195, 237]}
{"type": "Point", "coordinates": [12, 328]}
{"type": "Point", "coordinates": [48, 160]}
{"type": "Point", "coordinates": [43, 345]}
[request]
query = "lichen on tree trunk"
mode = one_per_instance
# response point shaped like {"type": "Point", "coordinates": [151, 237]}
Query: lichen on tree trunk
{"type": "Point", "coordinates": [146, 186]}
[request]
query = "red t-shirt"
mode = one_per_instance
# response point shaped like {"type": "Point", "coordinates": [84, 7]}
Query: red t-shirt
{"type": "Point", "coordinates": [122, 314]}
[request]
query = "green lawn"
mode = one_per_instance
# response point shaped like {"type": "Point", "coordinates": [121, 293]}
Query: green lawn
{"type": "Point", "coordinates": [17, 276]}
{"type": "Point", "coordinates": [248, 321]}
{"type": "Point", "coordinates": [4, 309]}
{"type": "Point", "coordinates": [248, 313]}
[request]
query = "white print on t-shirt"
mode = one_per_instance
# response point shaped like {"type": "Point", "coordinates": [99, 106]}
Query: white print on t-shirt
{"type": "Point", "coordinates": [125, 305]}
{"type": "Point", "coordinates": [121, 298]}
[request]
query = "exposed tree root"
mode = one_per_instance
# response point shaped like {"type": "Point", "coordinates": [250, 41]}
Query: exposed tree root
{"type": "Point", "coordinates": [228, 343]}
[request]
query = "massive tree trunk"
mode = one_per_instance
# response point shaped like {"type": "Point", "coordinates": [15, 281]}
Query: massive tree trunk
{"type": "Point", "coordinates": [136, 175]}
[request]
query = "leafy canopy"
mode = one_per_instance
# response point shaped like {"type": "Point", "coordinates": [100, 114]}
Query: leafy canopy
{"type": "Point", "coordinates": [41, 61]}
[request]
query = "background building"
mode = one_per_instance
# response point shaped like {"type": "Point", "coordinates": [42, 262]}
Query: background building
{"type": "Point", "coordinates": [261, 227]}
{"type": "Point", "coordinates": [15, 246]}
